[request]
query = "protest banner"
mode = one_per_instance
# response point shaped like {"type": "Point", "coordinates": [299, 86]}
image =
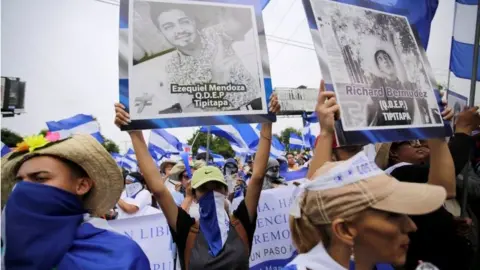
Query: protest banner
{"type": "Point", "coordinates": [296, 100]}
{"type": "Point", "coordinates": [379, 72]}
{"type": "Point", "coordinates": [272, 246]}
{"type": "Point", "coordinates": [457, 102]}
{"type": "Point", "coordinates": [153, 235]}
{"type": "Point", "coordinates": [191, 63]}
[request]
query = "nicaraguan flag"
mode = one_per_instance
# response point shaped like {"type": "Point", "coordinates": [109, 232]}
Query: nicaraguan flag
{"type": "Point", "coordinates": [128, 163]}
{"type": "Point", "coordinates": [131, 154]}
{"type": "Point", "coordinates": [461, 57]}
{"type": "Point", "coordinates": [298, 175]}
{"type": "Point", "coordinates": [162, 141]}
{"type": "Point", "coordinates": [308, 138]}
{"type": "Point", "coordinates": [295, 141]}
{"type": "Point", "coordinates": [5, 150]}
{"type": "Point", "coordinates": [240, 151]}
{"type": "Point", "coordinates": [202, 149]}
{"type": "Point", "coordinates": [218, 159]}
{"type": "Point", "coordinates": [78, 124]}
{"type": "Point", "coordinates": [419, 13]}
{"type": "Point", "coordinates": [243, 135]}
{"type": "Point", "coordinates": [277, 149]}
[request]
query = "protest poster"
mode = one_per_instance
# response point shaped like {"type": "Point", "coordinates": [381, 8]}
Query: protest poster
{"type": "Point", "coordinates": [296, 100]}
{"type": "Point", "coordinates": [152, 234]}
{"type": "Point", "coordinates": [191, 63]}
{"type": "Point", "coordinates": [272, 247]}
{"type": "Point", "coordinates": [457, 102]}
{"type": "Point", "coordinates": [379, 72]}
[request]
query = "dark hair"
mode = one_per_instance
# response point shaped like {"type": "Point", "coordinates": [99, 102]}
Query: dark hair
{"type": "Point", "coordinates": [379, 52]}
{"type": "Point", "coordinates": [212, 185]}
{"type": "Point", "coordinates": [203, 156]}
{"type": "Point", "coordinates": [156, 9]}
{"type": "Point", "coordinates": [289, 153]}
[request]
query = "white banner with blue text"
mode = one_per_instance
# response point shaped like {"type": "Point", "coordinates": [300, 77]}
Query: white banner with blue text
{"type": "Point", "coordinates": [152, 234]}
{"type": "Point", "coordinates": [272, 246]}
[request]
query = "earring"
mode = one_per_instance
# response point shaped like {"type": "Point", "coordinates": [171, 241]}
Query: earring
{"type": "Point", "coordinates": [351, 264]}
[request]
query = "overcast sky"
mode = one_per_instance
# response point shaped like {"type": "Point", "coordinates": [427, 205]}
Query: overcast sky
{"type": "Point", "coordinates": [48, 99]}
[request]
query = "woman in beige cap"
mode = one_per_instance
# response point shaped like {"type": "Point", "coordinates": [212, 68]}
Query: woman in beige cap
{"type": "Point", "coordinates": [59, 186]}
{"type": "Point", "coordinates": [352, 215]}
{"type": "Point", "coordinates": [217, 240]}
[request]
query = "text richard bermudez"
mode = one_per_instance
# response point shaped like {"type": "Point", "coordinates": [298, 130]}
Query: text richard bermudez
{"type": "Point", "coordinates": [208, 95]}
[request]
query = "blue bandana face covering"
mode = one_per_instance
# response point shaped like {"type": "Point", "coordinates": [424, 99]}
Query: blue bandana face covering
{"type": "Point", "coordinates": [214, 221]}
{"type": "Point", "coordinates": [40, 225]}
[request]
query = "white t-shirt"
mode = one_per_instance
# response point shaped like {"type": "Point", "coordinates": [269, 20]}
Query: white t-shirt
{"type": "Point", "coordinates": [142, 201]}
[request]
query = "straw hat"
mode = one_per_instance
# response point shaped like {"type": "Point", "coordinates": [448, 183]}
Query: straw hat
{"type": "Point", "coordinates": [383, 154]}
{"type": "Point", "coordinates": [167, 162]}
{"type": "Point", "coordinates": [87, 153]}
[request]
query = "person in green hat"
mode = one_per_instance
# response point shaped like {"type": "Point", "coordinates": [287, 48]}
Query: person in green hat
{"type": "Point", "coordinates": [216, 240]}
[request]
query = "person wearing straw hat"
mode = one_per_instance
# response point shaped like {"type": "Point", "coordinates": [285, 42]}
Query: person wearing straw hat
{"type": "Point", "coordinates": [352, 215]}
{"type": "Point", "coordinates": [167, 166]}
{"type": "Point", "coordinates": [49, 221]}
{"type": "Point", "coordinates": [217, 240]}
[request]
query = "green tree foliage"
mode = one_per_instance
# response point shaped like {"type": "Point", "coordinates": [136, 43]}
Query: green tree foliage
{"type": "Point", "coordinates": [43, 132]}
{"type": "Point", "coordinates": [10, 138]}
{"type": "Point", "coordinates": [110, 145]}
{"type": "Point", "coordinates": [285, 136]}
{"type": "Point", "coordinates": [218, 145]}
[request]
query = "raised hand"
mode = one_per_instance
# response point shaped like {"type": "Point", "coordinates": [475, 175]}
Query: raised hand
{"type": "Point", "coordinates": [327, 109]}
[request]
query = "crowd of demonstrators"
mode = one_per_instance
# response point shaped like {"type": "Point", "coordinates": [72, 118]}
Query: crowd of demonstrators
{"type": "Point", "coordinates": [216, 240]}
{"type": "Point", "coordinates": [400, 210]}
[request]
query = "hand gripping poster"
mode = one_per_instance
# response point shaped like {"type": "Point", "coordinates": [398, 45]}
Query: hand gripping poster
{"type": "Point", "coordinates": [192, 63]}
{"type": "Point", "coordinates": [378, 70]}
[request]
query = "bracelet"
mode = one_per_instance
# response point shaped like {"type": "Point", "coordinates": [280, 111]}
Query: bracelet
{"type": "Point", "coordinates": [265, 137]}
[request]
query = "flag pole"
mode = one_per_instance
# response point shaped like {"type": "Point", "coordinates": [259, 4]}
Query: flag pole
{"type": "Point", "coordinates": [471, 102]}
{"type": "Point", "coordinates": [208, 144]}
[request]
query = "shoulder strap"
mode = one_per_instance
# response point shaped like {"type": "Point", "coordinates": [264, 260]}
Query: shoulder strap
{"type": "Point", "coordinates": [192, 235]}
{"type": "Point", "coordinates": [240, 231]}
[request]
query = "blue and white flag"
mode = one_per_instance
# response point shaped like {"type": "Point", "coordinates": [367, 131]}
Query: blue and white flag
{"type": "Point", "coordinates": [240, 151]}
{"type": "Point", "coordinates": [131, 154]}
{"type": "Point", "coordinates": [295, 141]}
{"type": "Point", "coordinates": [5, 150]}
{"type": "Point", "coordinates": [128, 163]}
{"type": "Point", "coordinates": [218, 159]}
{"type": "Point", "coordinates": [419, 13]}
{"type": "Point", "coordinates": [243, 135]}
{"type": "Point", "coordinates": [164, 142]}
{"type": "Point", "coordinates": [202, 149]}
{"type": "Point", "coordinates": [277, 149]}
{"type": "Point", "coordinates": [78, 124]}
{"type": "Point", "coordinates": [298, 175]}
{"type": "Point", "coordinates": [461, 57]}
{"type": "Point", "coordinates": [308, 138]}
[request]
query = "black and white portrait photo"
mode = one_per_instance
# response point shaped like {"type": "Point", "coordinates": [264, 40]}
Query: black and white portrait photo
{"type": "Point", "coordinates": [194, 58]}
{"type": "Point", "coordinates": [376, 68]}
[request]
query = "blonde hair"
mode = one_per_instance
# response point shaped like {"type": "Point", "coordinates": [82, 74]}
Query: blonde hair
{"type": "Point", "coordinates": [305, 233]}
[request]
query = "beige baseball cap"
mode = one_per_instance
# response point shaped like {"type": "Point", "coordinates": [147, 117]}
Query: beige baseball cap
{"type": "Point", "coordinates": [342, 189]}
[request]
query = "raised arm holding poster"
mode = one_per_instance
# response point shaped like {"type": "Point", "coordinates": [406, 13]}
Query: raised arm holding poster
{"type": "Point", "coordinates": [380, 73]}
{"type": "Point", "coordinates": [190, 63]}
